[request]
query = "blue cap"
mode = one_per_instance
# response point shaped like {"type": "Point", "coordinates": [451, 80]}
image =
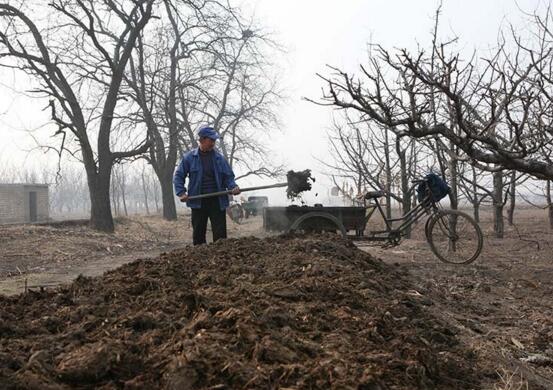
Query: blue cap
{"type": "Point", "coordinates": [209, 132]}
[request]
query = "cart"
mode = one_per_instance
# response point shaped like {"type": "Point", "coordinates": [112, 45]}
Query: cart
{"type": "Point", "coordinates": [453, 236]}
{"type": "Point", "coordinates": [316, 218]}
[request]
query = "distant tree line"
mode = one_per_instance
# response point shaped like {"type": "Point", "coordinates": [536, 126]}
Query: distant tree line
{"type": "Point", "coordinates": [135, 189]}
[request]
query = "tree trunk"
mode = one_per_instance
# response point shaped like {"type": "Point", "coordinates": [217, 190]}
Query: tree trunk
{"type": "Point", "coordinates": [359, 184]}
{"type": "Point", "coordinates": [405, 198]}
{"type": "Point", "coordinates": [123, 199]}
{"type": "Point", "coordinates": [512, 199]}
{"type": "Point", "coordinates": [168, 198]}
{"type": "Point", "coordinates": [388, 168]}
{"type": "Point", "coordinates": [145, 190]}
{"type": "Point", "coordinates": [453, 180]}
{"type": "Point", "coordinates": [474, 197]}
{"type": "Point", "coordinates": [549, 203]}
{"type": "Point", "coordinates": [156, 199]}
{"type": "Point", "coordinates": [498, 225]}
{"type": "Point", "coordinates": [100, 205]}
{"type": "Point", "coordinates": [122, 185]}
{"type": "Point", "coordinates": [113, 193]}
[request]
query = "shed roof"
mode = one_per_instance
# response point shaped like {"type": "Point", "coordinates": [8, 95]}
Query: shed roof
{"type": "Point", "coordinates": [23, 185]}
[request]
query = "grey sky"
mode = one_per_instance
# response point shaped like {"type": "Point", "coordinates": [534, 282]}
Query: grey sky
{"type": "Point", "coordinates": [317, 33]}
{"type": "Point", "coordinates": [314, 33]}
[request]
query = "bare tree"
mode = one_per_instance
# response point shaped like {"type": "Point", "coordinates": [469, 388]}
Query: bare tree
{"type": "Point", "coordinates": [241, 102]}
{"type": "Point", "coordinates": [145, 189]}
{"type": "Point", "coordinates": [201, 63]}
{"type": "Point", "coordinates": [372, 157]}
{"type": "Point", "coordinates": [359, 157]}
{"type": "Point", "coordinates": [79, 61]}
{"type": "Point", "coordinates": [483, 100]}
{"type": "Point", "coordinates": [153, 81]}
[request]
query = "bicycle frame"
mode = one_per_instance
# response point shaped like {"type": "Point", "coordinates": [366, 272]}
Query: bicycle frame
{"type": "Point", "coordinates": [391, 234]}
{"type": "Point", "coordinates": [446, 232]}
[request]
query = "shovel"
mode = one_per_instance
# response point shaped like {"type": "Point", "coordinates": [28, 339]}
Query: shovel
{"type": "Point", "coordinates": [211, 194]}
{"type": "Point", "coordinates": [297, 182]}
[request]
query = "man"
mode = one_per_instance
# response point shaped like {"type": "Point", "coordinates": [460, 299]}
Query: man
{"type": "Point", "coordinates": [207, 172]}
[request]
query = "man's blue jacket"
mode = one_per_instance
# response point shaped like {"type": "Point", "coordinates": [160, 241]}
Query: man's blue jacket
{"type": "Point", "coordinates": [191, 166]}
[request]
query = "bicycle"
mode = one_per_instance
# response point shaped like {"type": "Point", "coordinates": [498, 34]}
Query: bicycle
{"type": "Point", "coordinates": [454, 236]}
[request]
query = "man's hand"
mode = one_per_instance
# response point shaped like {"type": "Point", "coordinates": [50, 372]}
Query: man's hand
{"type": "Point", "coordinates": [235, 190]}
{"type": "Point", "coordinates": [183, 197]}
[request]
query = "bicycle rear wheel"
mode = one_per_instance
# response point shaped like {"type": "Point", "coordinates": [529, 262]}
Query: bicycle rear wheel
{"type": "Point", "coordinates": [454, 237]}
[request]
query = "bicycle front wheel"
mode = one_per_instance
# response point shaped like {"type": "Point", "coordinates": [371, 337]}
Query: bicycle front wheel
{"type": "Point", "coordinates": [454, 237]}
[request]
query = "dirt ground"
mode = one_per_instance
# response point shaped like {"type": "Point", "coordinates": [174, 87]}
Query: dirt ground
{"type": "Point", "coordinates": [495, 316]}
{"type": "Point", "coordinates": [501, 305]}
{"type": "Point", "coordinates": [275, 313]}
{"type": "Point", "coordinates": [48, 255]}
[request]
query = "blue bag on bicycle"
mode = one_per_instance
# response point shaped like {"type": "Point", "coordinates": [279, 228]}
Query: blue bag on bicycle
{"type": "Point", "coordinates": [437, 186]}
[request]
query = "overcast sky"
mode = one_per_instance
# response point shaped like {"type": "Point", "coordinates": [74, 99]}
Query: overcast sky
{"type": "Point", "coordinates": [318, 33]}
{"type": "Point", "coordinates": [315, 33]}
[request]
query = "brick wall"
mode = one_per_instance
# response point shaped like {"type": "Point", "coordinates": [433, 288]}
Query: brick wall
{"type": "Point", "coordinates": [14, 203]}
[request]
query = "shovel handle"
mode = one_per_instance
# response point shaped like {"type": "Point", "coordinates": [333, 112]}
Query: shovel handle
{"type": "Point", "coordinates": [211, 194]}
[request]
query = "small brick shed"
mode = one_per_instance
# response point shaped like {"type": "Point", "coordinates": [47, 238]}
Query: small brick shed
{"type": "Point", "coordinates": [23, 203]}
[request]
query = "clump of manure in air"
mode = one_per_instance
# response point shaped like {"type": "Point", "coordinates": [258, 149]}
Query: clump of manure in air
{"type": "Point", "coordinates": [298, 182]}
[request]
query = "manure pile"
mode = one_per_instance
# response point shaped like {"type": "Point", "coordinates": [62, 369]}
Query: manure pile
{"type": "Point", "coordinates": [282, 312]}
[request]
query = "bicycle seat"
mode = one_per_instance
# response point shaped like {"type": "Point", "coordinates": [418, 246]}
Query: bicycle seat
{"type": "Point", "coordinates": [374, 194]}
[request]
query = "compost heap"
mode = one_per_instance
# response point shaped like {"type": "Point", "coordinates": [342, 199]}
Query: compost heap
{"type": "Point", "coordinates": [286, 311]}
{"type": "Point", "coordinates": [298, 182]}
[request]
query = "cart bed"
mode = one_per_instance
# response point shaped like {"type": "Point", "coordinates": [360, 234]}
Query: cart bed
{"type": "Point", "coordinates": [283, 218]}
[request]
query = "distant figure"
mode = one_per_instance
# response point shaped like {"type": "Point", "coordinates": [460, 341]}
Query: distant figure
{"type": "Point", "coordinates": [207, 171]}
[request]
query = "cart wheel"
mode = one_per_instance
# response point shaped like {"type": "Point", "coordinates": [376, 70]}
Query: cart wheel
{"type": "Point", "coordinates": [311, 222]}
{"type": "Point", "coordinates": [454, 237]}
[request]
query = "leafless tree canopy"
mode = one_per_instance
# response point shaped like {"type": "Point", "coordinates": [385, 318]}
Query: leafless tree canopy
{"type": "Point", "coordinates": [133, 76]}
{"type": "Point", "coordinates": [496, 111]}
{"type": "Point", "coordinates": [203, 65]}
{"type": "Point", "coordinates": [78, 55]}
{"type": "Point", "coordinates": [483, 122]}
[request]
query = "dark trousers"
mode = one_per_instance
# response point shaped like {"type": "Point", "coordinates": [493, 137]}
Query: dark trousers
{"type": "Point", "coordinates": [212, 210]}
